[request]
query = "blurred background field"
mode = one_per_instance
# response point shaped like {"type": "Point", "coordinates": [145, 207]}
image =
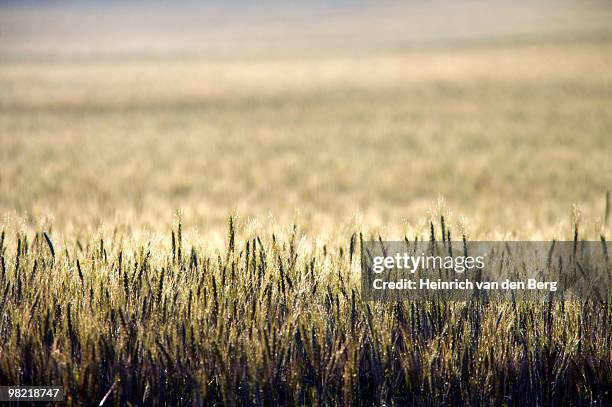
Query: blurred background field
{"type": "Point", "coordinates": [327, 115]}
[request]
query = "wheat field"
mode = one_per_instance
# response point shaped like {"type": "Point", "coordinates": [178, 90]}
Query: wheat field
{"type": "Point", "coordinates": [184, 228]}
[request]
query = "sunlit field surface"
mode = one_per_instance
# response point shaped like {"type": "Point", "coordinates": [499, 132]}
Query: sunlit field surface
{"type": "Point", "coordinates": [307, 133]}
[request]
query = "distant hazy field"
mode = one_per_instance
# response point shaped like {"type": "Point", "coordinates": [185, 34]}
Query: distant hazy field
{"type": "Point", "coordinates": [504, 111]}
{"type": "Point", "coordinates": [510, 137]}
{"type": "Point", "coordinates": [118, 124]}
